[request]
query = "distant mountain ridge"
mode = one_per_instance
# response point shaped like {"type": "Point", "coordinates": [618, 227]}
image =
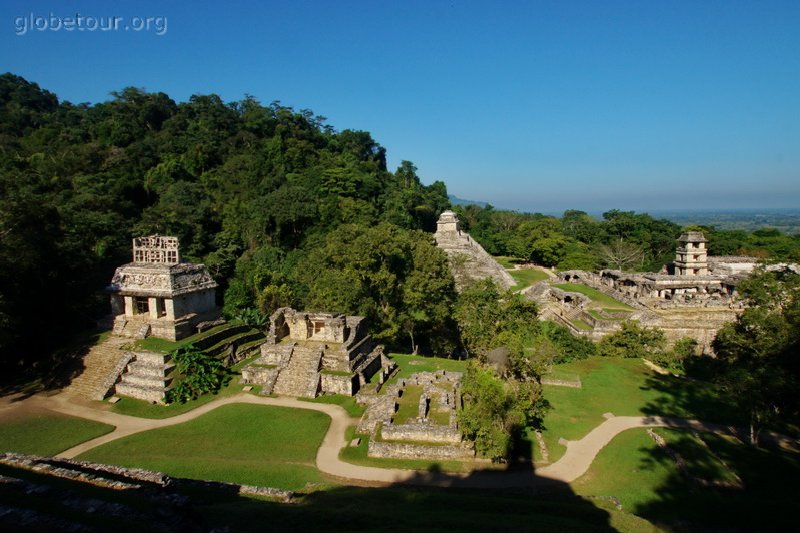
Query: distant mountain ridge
{"type": "Point", "coordinates": [455, 200]}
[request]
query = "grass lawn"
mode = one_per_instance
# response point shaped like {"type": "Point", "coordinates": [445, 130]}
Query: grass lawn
{"type": "Point", "coordinates": [649, 484]}
{"type": "Point", "coordinates": [625, 387]}
{"type": "Point", "coordinates": [46, 433]}
{"type": "Point", "coordinates": [408, 404]}
{"type": "Point", "coordinates": [506, 261]}
{"type": "Point", "coordinates": [525, 277]}
{"type": "Point", "coordinates": [163, 345]}
{"type": "Point", "coordinates": [580, 324]}
{"type": "Point", "coordinates": [143, 409]}
{"type": "Point", "coordinates": [250, 444]}
{"type": "Point", "coordinates": [347, 402]}
{"type": "Point", "coordinates": [411, 364]}
{"type": "Point", "coordinates": [599, 299]}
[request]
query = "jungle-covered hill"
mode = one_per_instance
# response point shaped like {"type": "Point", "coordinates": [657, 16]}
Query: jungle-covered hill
{"type": "Point", "coordinates": [282, 208]}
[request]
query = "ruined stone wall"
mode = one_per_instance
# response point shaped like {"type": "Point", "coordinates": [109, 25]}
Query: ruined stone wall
{"type": "Point", "coordinates": [421, 432]}
{"type": "Point", "coordinates": [336, 384]}
{"type": "Point", "coordinates": [397, 450]}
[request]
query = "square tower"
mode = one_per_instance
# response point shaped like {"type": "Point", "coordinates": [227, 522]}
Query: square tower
{"type": "Point", "coordinates": [691, 256]}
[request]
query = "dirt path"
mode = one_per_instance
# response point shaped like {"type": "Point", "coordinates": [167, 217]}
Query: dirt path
{"type": "Point", "coordinates": [575, 462]}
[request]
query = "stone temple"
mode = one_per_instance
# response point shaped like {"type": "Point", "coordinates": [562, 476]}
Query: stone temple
{"type": "Point", "coordinates": [468, 260]}
{"type": "Point", "coordinates": [158, 295]}
{"type": "Point", "coordinates": [307, 354]}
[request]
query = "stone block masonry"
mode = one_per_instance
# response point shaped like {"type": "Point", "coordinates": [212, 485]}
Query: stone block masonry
{"type": "Point", "coordinates": [468, 260]}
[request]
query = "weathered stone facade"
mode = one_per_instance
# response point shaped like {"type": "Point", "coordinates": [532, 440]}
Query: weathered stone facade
{"type": "Point", "coordinates": [156, 295]}
{"type": "Point", "coordinates": [468, 260]}
{"type": "Point", "coordinates": [421, 437]}
{"type": "Point", "coordinates": [307, 354]}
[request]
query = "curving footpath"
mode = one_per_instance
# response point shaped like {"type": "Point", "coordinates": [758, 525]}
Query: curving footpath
{"type": "Point", "coordinates": [575, 462]}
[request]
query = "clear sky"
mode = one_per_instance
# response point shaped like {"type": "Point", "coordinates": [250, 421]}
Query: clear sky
{"type": "Point", "coordinates": [530, 105]}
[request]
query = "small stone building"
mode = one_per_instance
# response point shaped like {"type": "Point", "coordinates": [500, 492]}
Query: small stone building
{"type": "Point", "coordinates": [307, 354]}
{"type": "Point", "coordinates": [158, 295]}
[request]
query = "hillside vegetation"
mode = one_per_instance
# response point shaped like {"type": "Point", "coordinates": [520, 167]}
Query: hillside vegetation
{"type": "Point", "coordinates": [251, 190]}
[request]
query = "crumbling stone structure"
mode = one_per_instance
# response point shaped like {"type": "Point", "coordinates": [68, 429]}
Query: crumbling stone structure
{"type": "Point", "coordinates": [158, 295]}
{"type": "Point", "coordinates": [468, 260]}
{"type": "Point", "coordinates": [307, 354]}
{"type": "Point", "coordinates": [420, 437]}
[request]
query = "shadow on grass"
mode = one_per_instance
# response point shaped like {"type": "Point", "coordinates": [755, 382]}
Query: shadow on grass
{"type": "Point", "coordinates": [688, 398]}
{"type": "Point", "coordinates": [718, 482]}
{"type": "Point", "coordinates": [183, 505]}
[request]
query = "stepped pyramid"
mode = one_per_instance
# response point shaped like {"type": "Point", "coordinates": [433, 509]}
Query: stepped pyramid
{"type": "Point", "coordinates": [468, 260]}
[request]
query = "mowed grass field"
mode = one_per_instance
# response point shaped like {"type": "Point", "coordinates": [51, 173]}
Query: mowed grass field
{"type": "Point", "coordinates": [599, 299]}
{"type": "Point", "coordinates": [624, 387]}
{"type": "Point", "coordinates": [525, 277]}
{"type": "Point", "coordinates": [248, 444]}
{"type": "Point", "coordinates": [728, 485]}
{"type": "Point", "coordinates": [45, 432]}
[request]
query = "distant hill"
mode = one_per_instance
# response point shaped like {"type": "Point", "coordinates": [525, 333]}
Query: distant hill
{"type": "Point", "coordinates": [786, 220]}
{"type": "Point", "coordinates": [455, 200]}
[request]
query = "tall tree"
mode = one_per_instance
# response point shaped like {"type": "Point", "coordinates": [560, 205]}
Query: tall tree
{"type": "Point", "coordinates": [759, 353]}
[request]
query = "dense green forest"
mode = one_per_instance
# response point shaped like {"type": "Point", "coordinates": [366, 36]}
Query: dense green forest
{"type": "Point", "coordinates": [283, 209]}
{"type": "Point", "coordinates": [621, 239]}
{"type": "Point", "coordinates": [259, 193]}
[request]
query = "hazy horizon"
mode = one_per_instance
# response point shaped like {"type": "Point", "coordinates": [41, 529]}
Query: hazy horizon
{"type": "Point", "coordinates": [535, 106]}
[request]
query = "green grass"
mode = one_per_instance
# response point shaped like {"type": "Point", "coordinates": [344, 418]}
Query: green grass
{"type": "Point", "coordinates": [598, 298]}
{"type": "Point", "coordinates": [580, 324]}
{"type": "Point", "coordinates": [347, 402]}
{"type": "Point", "coordinates": [408, 404]}
{"type": "Point", "coordinates": [648, 483]}
{"type": "Point", "coordinates": [249, 444]}
{"type": "Point", "coordinates": [46, 433]}
{"type": "Point", "coordinates": [624, 387]}
{"type": "Point", "coordinates": [525, 277]}
{"type": "Point", "coordinates": [595, 313]}
{"type": "Point", "coordinates": [506, 261]}
{"type": "Point", "coordinates": [411, 364]}
{"type": "Point", "coordinates": [142, 409]}
{"type": "Point", "coordinates": [163, 345]}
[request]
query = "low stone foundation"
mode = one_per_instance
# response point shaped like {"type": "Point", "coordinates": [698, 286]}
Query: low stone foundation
{"type": "Point", "coordinates": [421, 432]}
{"type": "Point", "coordinates": [398, 450]}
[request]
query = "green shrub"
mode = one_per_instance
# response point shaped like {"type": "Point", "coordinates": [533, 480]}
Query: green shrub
{"type": "Point", "coordinates": [199, 373]}
{"type": "Point", "coordinates": [633, 341]}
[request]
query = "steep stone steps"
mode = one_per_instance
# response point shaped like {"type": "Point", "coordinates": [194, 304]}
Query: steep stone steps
{"type": "Point", "coordinates": [147, 377]}
{"type": "Point", "coordinates": [99, 364]}
{"type": "Point", "coordinates": [301, 376]}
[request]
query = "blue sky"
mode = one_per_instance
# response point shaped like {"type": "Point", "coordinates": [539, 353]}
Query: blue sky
{"type": "Point", "coordinates": [530, 105]}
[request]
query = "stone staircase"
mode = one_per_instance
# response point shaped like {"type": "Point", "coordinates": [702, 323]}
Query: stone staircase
{"type": "Point", "coordinates": [146, 377]}
{"type": "Point", "coordinates": [300, 377]}
{"type": "Point", "coordinates": [102, 365]}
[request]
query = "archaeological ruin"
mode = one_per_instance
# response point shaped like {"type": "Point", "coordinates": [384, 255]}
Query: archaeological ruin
{"type": "Point", "coordinates": [468, 260]}
{"type": "Point", "coordinates": [158, 295]}
{"type": "Point", "coordinates": [429, 431]}
{"type": "Point", "coordinates": [692, 297]}
{"type": "Point", "coordinates": [307, 354]}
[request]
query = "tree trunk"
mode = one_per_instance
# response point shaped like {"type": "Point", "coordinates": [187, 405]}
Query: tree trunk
{"type": "Point", "coordinates": [754, 428]}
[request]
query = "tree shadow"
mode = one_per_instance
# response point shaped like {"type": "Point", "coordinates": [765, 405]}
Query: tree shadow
{"type": "Point", "coordinates": [689, 398]}
{"type": "Point", "coordinates": [717, 482]}
{"type": "Point", "coordinates": [531, 503]}
{"type": "Point", "coordinates": [51, 372]}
